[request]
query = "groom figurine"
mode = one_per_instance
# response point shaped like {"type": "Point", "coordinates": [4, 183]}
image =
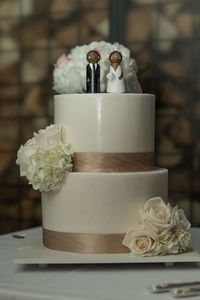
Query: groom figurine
{"type": "Point", "coordinates": [93, 72]}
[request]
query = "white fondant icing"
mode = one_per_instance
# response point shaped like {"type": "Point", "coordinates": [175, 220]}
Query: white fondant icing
{"type": "Point", "coordinates": [107, 122]}
{"type": "Point", "coordinates": [101, 202]}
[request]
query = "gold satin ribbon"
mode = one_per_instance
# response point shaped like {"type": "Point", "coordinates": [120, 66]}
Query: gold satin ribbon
{"type": "Point", "coordinates": [84, 242]}
{"type": "Point", "coordinates": [112, 162]}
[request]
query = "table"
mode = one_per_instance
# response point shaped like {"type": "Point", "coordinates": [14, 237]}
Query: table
{"type": "Point", "coordinates": [81, 282]}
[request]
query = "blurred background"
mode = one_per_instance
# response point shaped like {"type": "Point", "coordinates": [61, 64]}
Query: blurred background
{"type": "Point", "coordinates": [162, 34]}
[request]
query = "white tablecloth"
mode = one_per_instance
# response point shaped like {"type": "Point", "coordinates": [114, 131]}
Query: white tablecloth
{"type": "Point", "coordinates": [95, 282]}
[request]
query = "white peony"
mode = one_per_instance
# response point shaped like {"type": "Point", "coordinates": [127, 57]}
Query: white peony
{"type": "Point", "coordinates": [158, 214]}
{"type": "Point", "coordinates": [46, 159]}
{"type": "Point", "coordinates": [70, 71]}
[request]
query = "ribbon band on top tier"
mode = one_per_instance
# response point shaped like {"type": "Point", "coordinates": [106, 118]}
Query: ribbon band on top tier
{"type": "Point", "coordinates": [84, 242]}
{"type": "Point", "coordinates": [112, 162]}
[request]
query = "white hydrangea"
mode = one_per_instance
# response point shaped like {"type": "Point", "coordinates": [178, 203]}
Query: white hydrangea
{"type": "Point", "coordinates": [174, 241]}
{"type": "Point", "coordinates": [70, 71]}
{"type": "Point", "coordinates": [46, 159]}
{"type": "Point", "coordinates": [67, 78]}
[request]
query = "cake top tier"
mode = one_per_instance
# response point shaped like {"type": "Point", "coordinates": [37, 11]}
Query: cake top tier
{"type": "Point", "coordinates": [70, 73]}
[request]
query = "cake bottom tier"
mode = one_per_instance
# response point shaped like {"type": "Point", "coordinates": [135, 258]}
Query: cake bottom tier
{"type": "Point", "coordinates": [93, 211]}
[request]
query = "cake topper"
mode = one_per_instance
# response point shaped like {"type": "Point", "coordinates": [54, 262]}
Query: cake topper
{"type": "Point", "coordinates": [93, 72]}
{"type": "Point", "coordinates": [69, 75]}
{"type": "Point", "coordinates": [115, 78]}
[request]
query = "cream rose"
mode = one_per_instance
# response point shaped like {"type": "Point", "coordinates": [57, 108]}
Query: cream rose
{"type": "Point", "coordinates": [158, 214]}
{"type": "Point", "coordinates": [46, 159]}
{"type": "Point", "coordinates": [141, 241]}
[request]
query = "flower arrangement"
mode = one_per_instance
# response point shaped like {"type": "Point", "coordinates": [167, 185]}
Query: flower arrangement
{"type": "Point", "coordinates": [70, 70]}
{"type": "Point", "coordinates": [164, 230]}
{"type": "Point", "coordinates": [46, 159]}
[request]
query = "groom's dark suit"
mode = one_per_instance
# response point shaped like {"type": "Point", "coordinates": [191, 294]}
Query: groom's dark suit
{"type": "Point", "coordinates": [93, 78]}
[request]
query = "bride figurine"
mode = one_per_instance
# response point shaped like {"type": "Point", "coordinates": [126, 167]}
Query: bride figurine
{"type": "Point", "coordinates": [115, 82]}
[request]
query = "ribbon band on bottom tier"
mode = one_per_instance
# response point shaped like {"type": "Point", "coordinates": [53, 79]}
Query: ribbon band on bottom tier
{"type": "Point", "coordinates": [112, 162]}
{"type": "Point", "coordinates": [89, 243]}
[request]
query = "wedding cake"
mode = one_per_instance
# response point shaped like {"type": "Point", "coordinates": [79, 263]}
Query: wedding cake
{"type": "Point", "coordinates": [101, 190]}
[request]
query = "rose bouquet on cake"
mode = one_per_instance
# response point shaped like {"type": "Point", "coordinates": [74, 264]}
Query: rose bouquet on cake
{"type": "Point", "coordinates": [164, 230]}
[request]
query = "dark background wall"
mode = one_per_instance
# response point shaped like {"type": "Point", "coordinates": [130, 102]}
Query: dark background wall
{"type": "Point", "coordinates": [163, 35]}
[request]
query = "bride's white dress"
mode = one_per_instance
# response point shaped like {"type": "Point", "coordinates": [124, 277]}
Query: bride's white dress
{"type": "Point", "coordinates": [114, 84]}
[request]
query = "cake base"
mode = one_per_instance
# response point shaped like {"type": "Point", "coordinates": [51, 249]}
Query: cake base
{"type": "Point", "coordinates": [33, 252]}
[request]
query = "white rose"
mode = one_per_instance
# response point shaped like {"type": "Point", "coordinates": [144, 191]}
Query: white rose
{"type": "Point", "coordinates": [158, 214]}
{"type": "Point", "coordinates": [180, 218]}
{"type": "Point", "coordinates": [24, 154]}
{"type": "Point", "coordinates": [141, 241]}
{"type": "Point", "coordinates": [50, 137]}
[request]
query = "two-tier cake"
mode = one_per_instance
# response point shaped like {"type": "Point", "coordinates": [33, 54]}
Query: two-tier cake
{"type": "Point", "coordinates": [101, 190]}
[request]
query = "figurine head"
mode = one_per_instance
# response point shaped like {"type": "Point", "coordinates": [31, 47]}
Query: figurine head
{"type": "Point", "coordinates": [93, 57]}
{"type": "Point", "coordinates": [115, 57]}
